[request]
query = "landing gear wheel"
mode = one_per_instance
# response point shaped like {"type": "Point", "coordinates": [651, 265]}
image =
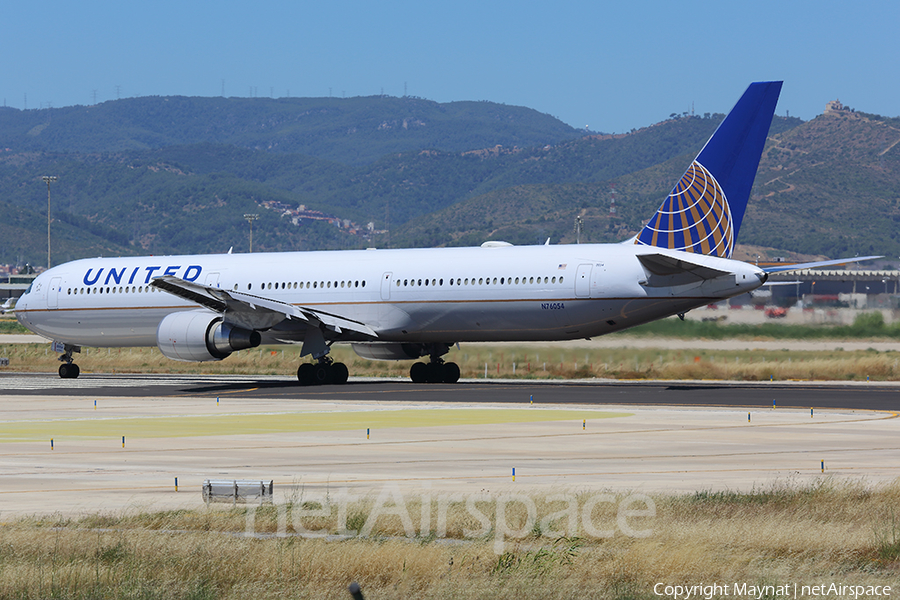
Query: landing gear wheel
{"type": "Point", "coordinates": [418, 372]}
{"type": "Point", "coordinates": [339, 373]}
{"type": "Point", "coordinates": [434, 372]}
{"type": "Point", "coordinates": [306, 374]}
{"type": "Point", "coordinates": [451, 372]}
{"type": "Point", "coordinates": [69, 371]}
{"type": "Point", "coordinates": [322, 374]}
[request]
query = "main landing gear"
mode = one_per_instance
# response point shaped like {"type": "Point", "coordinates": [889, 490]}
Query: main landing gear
{"type": "Point", "coordinates": [436, 371]}
{"type": "Point", "coordinates": [68, 369]}
{"type": "Point", "coordinates": [326, 371]}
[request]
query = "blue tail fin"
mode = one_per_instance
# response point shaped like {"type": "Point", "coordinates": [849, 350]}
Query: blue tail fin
{"type": "Point", "coordinates": [703, 213]}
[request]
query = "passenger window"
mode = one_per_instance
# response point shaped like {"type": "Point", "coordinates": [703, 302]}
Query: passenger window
{"type": "Point", "coordinates": [495, 281]}
{"type": "Point", "coordinates": [560, 279]}
{"type": "Point", "coordinates": [480, 281]}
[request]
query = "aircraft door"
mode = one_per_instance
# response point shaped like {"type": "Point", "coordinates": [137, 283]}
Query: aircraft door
{"type": "Point", "coordinates": [53, 292]}
{"type": "Point", "coordinates": [583, 281]}
{"type": "Point", "coordinates": [212, 280]}
{"type": "Point", "coordinates": [386, 286]}
{"type": "Point", "coordinates": [598, 278]}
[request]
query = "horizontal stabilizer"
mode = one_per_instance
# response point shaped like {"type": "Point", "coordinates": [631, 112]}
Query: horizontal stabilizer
{"type": "Point", "coordinates": [821, 263]}
{"type": "Point", "coordinates": [666, 266]}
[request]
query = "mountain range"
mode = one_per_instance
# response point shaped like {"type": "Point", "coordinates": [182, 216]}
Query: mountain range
{"type": "Point", "coordinates": [165, 175]}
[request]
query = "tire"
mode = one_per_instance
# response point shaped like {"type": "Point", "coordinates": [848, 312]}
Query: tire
{"type": "Point", "coordinates": [323, 374]}
{"type": "Point", "coordinates": [418, 372]}
{"type": "Point", "coordinates": [451, 372]}
{"type": "Point", "coordinates": [339, 373]}
{"type": "Point", "coordinates": [69, 371]}
{"type": "Point", "coordinates": [306, 374]}
{"type": "Point", "coordinates": [434, 372]}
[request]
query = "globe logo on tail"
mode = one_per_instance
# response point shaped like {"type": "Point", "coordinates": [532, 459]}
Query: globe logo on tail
{"type": "Point", "coordinates": [694, 218]}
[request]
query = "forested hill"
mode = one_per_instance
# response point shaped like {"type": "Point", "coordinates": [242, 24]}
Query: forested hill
{"type": "Point", "coordinates": [176, 175]}
{"type": "Point", "coordinates": [352, 131]}
{"type": "Point", "coordinates": [829, 187]}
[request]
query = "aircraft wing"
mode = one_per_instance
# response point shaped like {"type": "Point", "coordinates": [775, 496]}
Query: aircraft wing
{"type": "Point", "coordinates": [255, 312]}
{"type": "Point", "coordinates": [821, 263]}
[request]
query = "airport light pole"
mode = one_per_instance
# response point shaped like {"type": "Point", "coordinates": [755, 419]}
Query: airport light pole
{"type": "Point", "coordinates": [48, 179]}
{"type": "Point", "coordinates": [250, 218]}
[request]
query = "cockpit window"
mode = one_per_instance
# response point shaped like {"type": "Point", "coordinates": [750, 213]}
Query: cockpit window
{"type": "Point", "coordinates": [28, 289]}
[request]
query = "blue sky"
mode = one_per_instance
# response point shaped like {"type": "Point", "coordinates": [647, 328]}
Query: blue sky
{"type": "Point", "coordinates": [610, 66]}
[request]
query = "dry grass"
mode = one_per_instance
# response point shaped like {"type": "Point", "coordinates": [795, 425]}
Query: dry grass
{"type": "Point", "coordinates": [784, 534]}
{"type": "Point", "coordinates": [525, 362]}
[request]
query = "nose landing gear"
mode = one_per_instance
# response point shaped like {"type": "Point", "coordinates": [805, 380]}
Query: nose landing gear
{"type": "Point", "coordinates": [68, 370]}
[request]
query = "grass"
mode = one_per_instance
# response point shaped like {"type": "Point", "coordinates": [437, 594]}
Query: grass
{"type": "Point", "coordinates": [10, 325]}
{"type": "Point", "coordinates": [506, 362]}
{"type": "Point", "coordinates": [844, 532]}
{"type": "Point", "coordinates": [865, 326]}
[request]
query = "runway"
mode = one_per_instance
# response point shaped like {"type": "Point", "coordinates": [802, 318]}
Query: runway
{"type": "Point", "coordinates": [857, 395]}
{"type": "Point", "coordinates": [467, 438]}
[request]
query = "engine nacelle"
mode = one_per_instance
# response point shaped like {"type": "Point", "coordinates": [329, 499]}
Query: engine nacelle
{"type": "Point", "coordinates": [197, 336]}
{"type": "Point", "coordinates": [398, 350]}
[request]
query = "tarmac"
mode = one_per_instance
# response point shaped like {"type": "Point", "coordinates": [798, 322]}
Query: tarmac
{"type": "Point", "coordinates": [321, 446]}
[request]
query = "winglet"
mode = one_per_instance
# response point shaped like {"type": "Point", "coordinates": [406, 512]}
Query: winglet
{"type": "Point", "coordinates": [703, 213]}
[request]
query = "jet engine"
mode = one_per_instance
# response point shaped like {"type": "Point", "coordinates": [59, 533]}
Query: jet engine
{"type": "Point", "coordinates": [398, 351]}
{"type": "Point", "coordinates": [198, 335]}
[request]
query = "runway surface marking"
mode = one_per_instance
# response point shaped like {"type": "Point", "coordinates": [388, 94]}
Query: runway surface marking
{"type": "Point", "coordinates": [397, 418]}
{"type": "Point", "coordinates": [50, 382]}
{"type": "Point", "coordinates": [267, 423]}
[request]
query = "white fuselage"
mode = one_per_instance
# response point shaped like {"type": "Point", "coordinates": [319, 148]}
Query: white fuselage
{"type": "Point", "coordinates": [506, 293]}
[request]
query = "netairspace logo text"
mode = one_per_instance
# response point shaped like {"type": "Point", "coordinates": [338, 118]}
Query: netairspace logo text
{"type": "Point", "coordinates": [426, 514]}
{"type": "Point", "coordinates": [789, 590]}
